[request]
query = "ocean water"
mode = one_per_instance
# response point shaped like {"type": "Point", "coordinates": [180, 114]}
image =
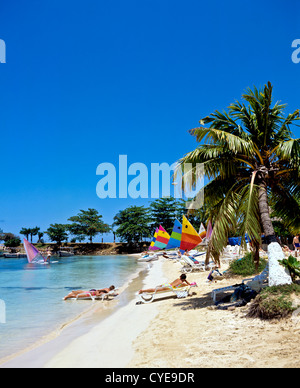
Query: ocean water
{"type": "Point", "coordinates": [32, 294]}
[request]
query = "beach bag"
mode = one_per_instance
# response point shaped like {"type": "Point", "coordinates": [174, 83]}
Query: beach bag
{"type": "Point", "coordinates": [243, 292]}
{"type": "Point", "coordinates": [215, 274]}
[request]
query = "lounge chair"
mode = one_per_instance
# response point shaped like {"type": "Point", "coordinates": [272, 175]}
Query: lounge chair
{"type": "Point", "coordinates": [189, 265]}
{"type": "Point", "coordinates": [180, 292]}
{"type": "Point", "coordinates": [256, 283]}
{"type": "Point", "coordinates": [89, 296]}
{"type": "Point", "coordinates": [231, 253]}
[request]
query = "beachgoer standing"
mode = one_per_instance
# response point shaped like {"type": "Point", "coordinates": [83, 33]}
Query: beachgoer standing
{"type": "Point", "coordinates": [49, 253]}
{"type": "Point", "coordinates": [296, 243]}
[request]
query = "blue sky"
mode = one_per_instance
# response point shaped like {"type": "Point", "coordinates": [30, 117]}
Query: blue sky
{"type": "Point", "coordinates": [88, 81]}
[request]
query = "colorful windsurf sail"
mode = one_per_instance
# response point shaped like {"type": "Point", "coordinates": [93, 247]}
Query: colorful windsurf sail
{"type": "Point", "coordinates": [152, 247]}
{"type": "Point", "coordinates": [202, 232]}
{"type": "Point", "coordinates": [33, 255]}
{"type": "Point", "coordinates": [162, 238]}
{"type": "Point", "coordinates": [175, 239]}
{"type": "Point", "coordinates": [209, 231]}
{"type": "Point", "coordinates": [190, 238]}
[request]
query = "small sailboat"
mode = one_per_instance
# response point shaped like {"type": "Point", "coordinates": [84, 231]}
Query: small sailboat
{"type": "Point", "coordinates": [162, 238]}
{"type": "Point", "coordinates": [152, 247]}
{"type": "Point", "coordinates": [33, 255]}
{"type": "Point", "coordinates": [202, 231]}
{"type": "Point", "coordinates": [175, 239]}
{"type": "Point", "coordinates": [190, 238]}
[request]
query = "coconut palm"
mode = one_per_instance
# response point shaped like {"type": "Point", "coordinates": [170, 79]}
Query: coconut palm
{"type": "Point", "coordinates": [252, 161]}
{"type": "Point", "coordinates": [25, 232]}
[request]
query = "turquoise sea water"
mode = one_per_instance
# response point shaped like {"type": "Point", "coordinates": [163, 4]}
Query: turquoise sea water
{"type": "Point", "coordinates": [33, 294]}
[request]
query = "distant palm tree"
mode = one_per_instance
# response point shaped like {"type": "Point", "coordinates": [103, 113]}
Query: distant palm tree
{"type": "Point", "coordinates": [25, 232]}
{"type": "Point", "coordinates": [252, 161]}
{"type": "Point", "coordinates": [34, 232]}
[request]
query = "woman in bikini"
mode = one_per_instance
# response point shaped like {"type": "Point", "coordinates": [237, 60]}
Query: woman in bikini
{"type": "Point", "coordinates": [84, 294]}
{"type": "Point", "coordinates": [181, 282]}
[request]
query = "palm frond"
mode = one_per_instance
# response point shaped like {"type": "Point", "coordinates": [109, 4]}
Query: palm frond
{"type": "Point", "coordinates": [225, 221]}
{"type": "Point", "coordinates": [227, 140]}
{"type": "Point", "coordinates": [286, 207]}
{"type": "Point", "coordinates": [289, 151]}
{"type": "Point", "coordinates": [249, 210]}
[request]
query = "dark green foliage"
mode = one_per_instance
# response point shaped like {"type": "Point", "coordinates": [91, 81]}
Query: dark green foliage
{"type": "Point", "coordinates": [133, 224]}
{"type": "Point", "coordinates": [275, 302]}
{"type": "Point", "coordinates": [88, 223]}
{"type": "Point", "coordinates": [293, 265]}
{"type": "Point", "coordinates": [246, 266]}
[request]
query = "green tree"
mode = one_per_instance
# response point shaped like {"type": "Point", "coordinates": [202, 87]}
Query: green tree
{"type": "Point", "coordinates": [57, 233]}
{"type": "Point", "coordinates": [133, 224]}
{"type": "Point", "coordinates": [40, 237]}
{"type": "Point", "coordinates": [251, 159]}
{"type": "Point", "coordinates": [88, 223]}
{"type": "Point", "coordinates": [164, 212]}
{"type": "Point", "coordinates": [34, 232]}
{"type": "Point", "coordinates": [10, 240]}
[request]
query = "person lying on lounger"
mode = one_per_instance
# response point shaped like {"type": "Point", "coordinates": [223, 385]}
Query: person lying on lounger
{"type": "Point", "coordinates": [181, 282]}
{"type": "Point", "coordinates": [85, 294]}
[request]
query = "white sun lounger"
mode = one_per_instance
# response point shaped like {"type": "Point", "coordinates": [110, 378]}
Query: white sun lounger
{"type": "Point", "coordinates": [180, 292]}
{"type": "Point", "coordinates": [190, 266]}
{"type": "Point", "coordinates": [89, 296]}
{"type": "Point", "coordinates": [256, 283]}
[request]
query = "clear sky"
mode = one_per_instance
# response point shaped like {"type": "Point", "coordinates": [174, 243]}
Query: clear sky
{"type": "Point", "coordinates": [88, 81]}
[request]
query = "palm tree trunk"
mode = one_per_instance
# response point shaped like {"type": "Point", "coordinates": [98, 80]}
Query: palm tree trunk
{"type": "Point", "coordinates": [265, 213]}
{"type": "Point", "coordinates": [278, 275]}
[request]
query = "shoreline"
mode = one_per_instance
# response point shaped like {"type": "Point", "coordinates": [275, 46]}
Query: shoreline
{"type": "Point", "coordinates": [101, 316]}
{"type": "Point", "coordinates": [171, 333]}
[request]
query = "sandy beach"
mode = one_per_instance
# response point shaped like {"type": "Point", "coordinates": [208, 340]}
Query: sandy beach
{"type": "Point", "coordinates": [171, 332]}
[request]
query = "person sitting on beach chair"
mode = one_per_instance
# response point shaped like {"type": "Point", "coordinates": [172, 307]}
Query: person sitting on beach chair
{"type": "Point", "coordinates": [181, 282]}
{"type": "Point", "coordinates": [83, 294]}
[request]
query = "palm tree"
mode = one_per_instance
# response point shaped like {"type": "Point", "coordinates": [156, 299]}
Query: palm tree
{"type": "Point", "coordinates": [25, 232]}
{"type": "Point", "coordinates": [34, 232]}
{"type": "Point", "coordinates": [252, 161]}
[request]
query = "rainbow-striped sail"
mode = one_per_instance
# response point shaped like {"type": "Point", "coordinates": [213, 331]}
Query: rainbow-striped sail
{"type": "Point", "coordinates": [209, 231]}
{"type": "Point", "coordinates": [175, 239]}
{"type": "Point", "coordinates": [33, 255]}
{"type": "Point", "coordinates": [152, 247]}
{"type": "Point", "coordinates": [162, 238]}
{"type": "Point", "coordinates": [190, 238]}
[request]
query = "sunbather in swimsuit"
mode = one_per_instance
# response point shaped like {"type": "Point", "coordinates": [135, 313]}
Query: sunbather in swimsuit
{"type": "Point", "coordinates": [167, 286]}
{"type": "Point", "coordinates": [83, 294]}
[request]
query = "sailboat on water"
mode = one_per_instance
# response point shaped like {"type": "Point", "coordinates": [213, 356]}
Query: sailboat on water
{"type": "Point", "coordinates": [33, 255]}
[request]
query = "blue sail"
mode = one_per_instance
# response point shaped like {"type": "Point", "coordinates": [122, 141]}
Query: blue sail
{"type": "Point", "coordinates": [175, 239]}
